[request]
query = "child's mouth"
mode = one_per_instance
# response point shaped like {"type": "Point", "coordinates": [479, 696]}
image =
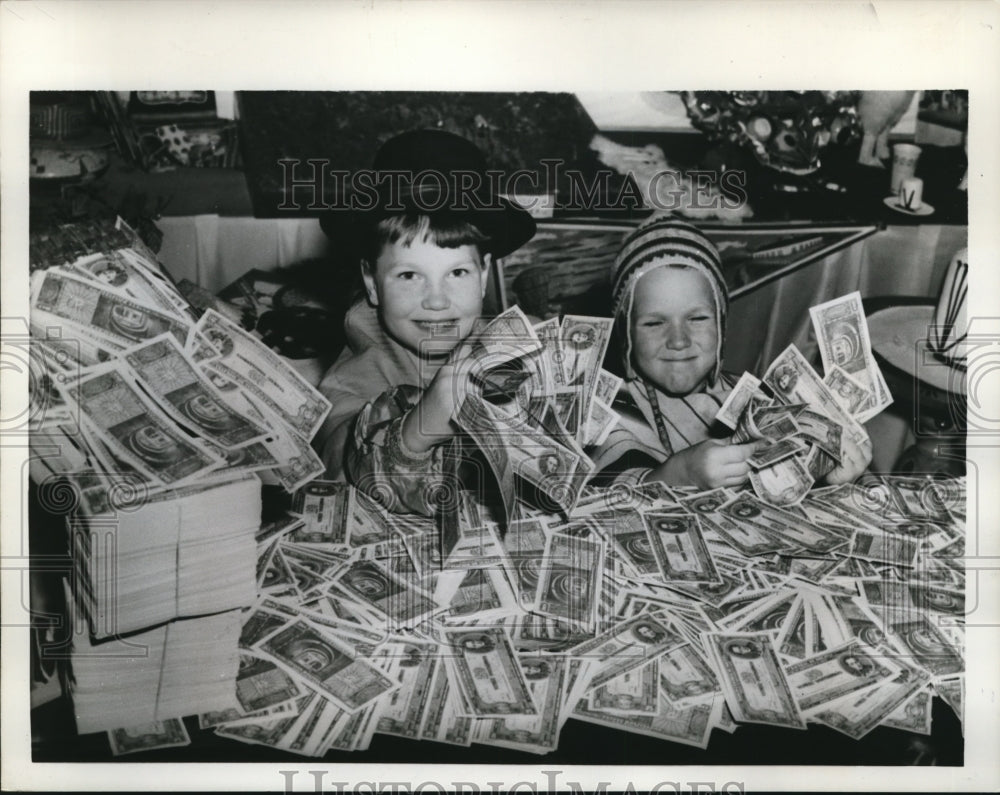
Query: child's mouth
{"type": "Point", "coordinates": [438, 328]}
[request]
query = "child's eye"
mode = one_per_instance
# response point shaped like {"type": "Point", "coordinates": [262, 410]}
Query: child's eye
{"type": "Point", "coordinates": [651, 323]}
{"type": "Point", "coordinates": [407, 276]}
{"type": "Point", "coordinates": [460, 272]}
{"type": "Point", "coordinates": [700, 317]}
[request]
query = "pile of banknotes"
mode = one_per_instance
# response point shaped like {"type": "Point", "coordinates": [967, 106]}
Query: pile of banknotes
{"type": "Point", "coordinates": [803, 417]}
{"type": "Point", "coordinates": [538, 395]}
{"type": "Point", "coordinates": [126, 379]}
{"type": "Point", "coordinates": [183, 552]}
{"type": "Point", "coordinates": [665, 612]}
{"type": "Point", "coordinates": [147, 677]}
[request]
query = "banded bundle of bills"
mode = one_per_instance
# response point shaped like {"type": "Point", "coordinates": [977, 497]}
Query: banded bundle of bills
{"type": "Point", "coordinates": [127, 379]}
{"type": "Point", "coordinates": [160, 674]}
{"type": "Point", "coordinates": [539, 397]}
{"type": "Point", "coordinates": [665, 612]}
{"type": "Point", "coordinates": [805, 418]}
{"type": "Point", "coordinates": [138, 568]}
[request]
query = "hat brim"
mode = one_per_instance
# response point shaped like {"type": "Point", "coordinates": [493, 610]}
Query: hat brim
{"type": "Point", "coordinates": [899, 335]}
{"type": "Point", "coordinates": [507, 225]}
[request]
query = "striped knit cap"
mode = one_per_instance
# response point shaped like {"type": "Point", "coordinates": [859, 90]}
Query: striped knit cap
{"type": "Point", "coordinates": [659, 241]}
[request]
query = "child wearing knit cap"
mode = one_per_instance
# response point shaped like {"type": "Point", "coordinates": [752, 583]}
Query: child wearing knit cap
{"type": "Point", "coordinates": [670, 303]}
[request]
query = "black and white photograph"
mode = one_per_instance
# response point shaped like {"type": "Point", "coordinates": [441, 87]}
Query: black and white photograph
{"type": "Point", "coordinates": [430, 414]}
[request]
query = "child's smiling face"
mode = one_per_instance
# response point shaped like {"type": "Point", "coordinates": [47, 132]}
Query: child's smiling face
{"type": "Point", "coordinates": [428, 297]}
{"type": "Point", "coordinates": [674, 329]}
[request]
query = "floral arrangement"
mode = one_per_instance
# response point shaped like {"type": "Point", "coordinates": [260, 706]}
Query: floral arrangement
{"type": "Point", "coordinates": [785, 130]}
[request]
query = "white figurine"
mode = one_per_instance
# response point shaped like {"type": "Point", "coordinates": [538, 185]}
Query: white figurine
{"type": "Point", "coordinates": [879, 112]}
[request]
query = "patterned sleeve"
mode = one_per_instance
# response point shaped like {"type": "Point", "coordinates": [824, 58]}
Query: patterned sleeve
{"type": "Point", "coordinates": [378, 463]}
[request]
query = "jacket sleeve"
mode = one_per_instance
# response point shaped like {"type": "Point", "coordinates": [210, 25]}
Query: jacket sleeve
{"type": "Point", "coordinates": [377, 462]}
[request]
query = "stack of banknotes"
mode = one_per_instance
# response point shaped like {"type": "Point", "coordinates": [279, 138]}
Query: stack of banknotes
{"type": "Point", "coordinates": [185, 552]}
{"type": "Point", "coordinates": [126, 379]}
{"type": "Point", "coordinates": [665, 612]}
{"type": "Point", "coordinates": [156, 675]}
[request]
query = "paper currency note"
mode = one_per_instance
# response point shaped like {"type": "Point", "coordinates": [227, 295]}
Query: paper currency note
{"type": "Point", "coordinates": [486, 668]}
{"type": "Point", "coordinates": [261, 684]}
{"type": "Point", "coordinates": [100, 312]}
{"type": "Point", "coordinates": [329, 665]}
{"type": "Point", "coordinates": [551, 374]}
{"type": "Point", "coordinates": [137, 430]}
{"type": "Point", "coordinates": [730, 411]}
{"type": "Point", "coordinates": [826, 677]}
{"type": "Point", "coordinates": [442, 721]}
{"type": "Point", "coordinates": [584, 341]}
{"type": "Point", "coordinates": [851, 394]}
{"type": "Point", "coordinates": [635, 692]}
{"type": "Point", "coordinates": [913, 715]}
{"type": "Point", "coordinates": [631, 538]}
{"type": "Point", "coordinates": [181, 389]}
{"type": "Point", "coordinates": [149, 736]}
{"type": "Point", "coordinates": [679, 548]}
{"type": "Point", "coordinates": [569, 583]}
{"type": "Point", "coordinates": [783, 484]}
{"type": "Point", "coordinates": [842, 334]}
{"type": "Point", "coordinates": [474, 418]}
{"type": "Point", "coordinates": [775, 452]}
{"type": "Point", "coordinates": [794, 381]}
{"type": "Point", "coordinates": [298, 462]}
{"type": "Point", "coordinates": [928, 645]}
{"type": "Point", "coordinates": [857, 714]}
{"type": "Point", "coordinates": [627, 646]}
{"type": "Point", "coordinates": [690, 725]}
{"type": "Point", "coordinates": [821, 431]}
{"type": "Point", "coordinates": [897, 550]}
{"type": "Point", "coordinates": [326, 507]}
{"type": "Point", "coordinates": [546, 676]}
{"type": "Point", "coordinates": [607, 386]}
{"type": "Point", "coordinates": [263, 374]}
{"type": "Point", "coordinates": [402, 602]}
{"type": "Point", "coordinates": [755, 686]}
{"type": "Point", "coordinates": [524, 544]}
{"type": "Point", "coordinates": [740, 535]}
{"type": "Point", "coordinates": [403, 714]}
{"type": "Point", "coordinates": [686, 677]}
{"type": "Point", "coordinates": [118, 270]}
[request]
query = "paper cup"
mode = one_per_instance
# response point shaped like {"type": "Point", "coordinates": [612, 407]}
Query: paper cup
{"type": "Point", "coordinates": [911, 193]}
{"type": "Point", "coordinates": [904, 163]}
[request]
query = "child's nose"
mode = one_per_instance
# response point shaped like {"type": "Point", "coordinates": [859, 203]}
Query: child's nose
{"type": "Point", "coordinates": [436, 297]}
{"type": "Point", "coordinates": [677, 337]}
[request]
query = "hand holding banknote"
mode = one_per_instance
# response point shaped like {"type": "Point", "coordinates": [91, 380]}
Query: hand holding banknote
{"type": "Point", "coordinates": [855, 458]}
{"type": "Point", "coordinates": [708, 464]}
{"type": "Point", "coordinates": [429, 422]}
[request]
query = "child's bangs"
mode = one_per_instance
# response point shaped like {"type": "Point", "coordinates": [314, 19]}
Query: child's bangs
{"type": "Point", "coordinates": [445, 231]}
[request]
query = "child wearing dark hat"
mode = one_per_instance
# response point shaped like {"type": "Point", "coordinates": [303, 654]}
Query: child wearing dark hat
{"type": "Point", "coordinates": [426, 250]}
{"type": "Point", "coordinates": [670, 303]}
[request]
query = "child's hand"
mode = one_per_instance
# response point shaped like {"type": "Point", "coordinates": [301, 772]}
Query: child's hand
{"type": "Point", "coordinates": [708, 465]}
{"type": "Point", "coordinates": [429, 422]}
{"type": "Point", "coordinates": [854, 460]}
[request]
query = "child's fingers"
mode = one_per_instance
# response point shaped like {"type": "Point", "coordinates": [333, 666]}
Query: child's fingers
{"type": "Point", "coordinates": [734, 474]}
{"type": "Point", "coordinates": [741, 452]}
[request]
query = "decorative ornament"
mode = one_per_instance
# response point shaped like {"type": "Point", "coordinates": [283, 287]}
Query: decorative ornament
{"type": "Point", "coordinates": [785, 130]}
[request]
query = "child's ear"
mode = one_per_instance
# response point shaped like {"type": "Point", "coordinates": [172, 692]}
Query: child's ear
{"type": "Point", "coordinates": [368, 276]}
{"type": "Point", "coordinates": [484, 274]}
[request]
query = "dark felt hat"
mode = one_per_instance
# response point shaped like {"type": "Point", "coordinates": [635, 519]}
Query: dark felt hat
{"type": "Point", "coordinates": [436, 173]}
